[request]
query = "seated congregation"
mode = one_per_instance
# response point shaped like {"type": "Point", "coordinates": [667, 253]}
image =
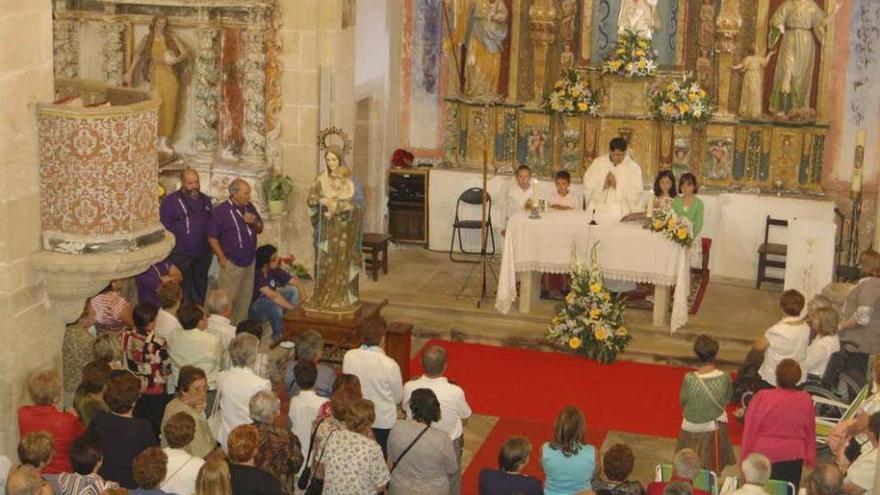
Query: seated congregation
{"type": "Point", "coordinates": [177, 400]}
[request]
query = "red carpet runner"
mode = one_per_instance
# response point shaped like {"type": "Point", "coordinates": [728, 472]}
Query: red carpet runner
{"type": "Point", "coordinates": [526, 389]}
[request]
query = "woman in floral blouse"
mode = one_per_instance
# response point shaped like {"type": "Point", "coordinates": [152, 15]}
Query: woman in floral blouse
{"type": "Point", "coordinates": [146, 356]}
{"type": "Point", "coordinates": [280, 452]}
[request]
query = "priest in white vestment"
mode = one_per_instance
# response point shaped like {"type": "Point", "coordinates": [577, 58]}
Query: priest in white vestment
{"type": "Point", "coordinates": [518, 197]}
{"type": "Point", "coordinates": [613, 184]}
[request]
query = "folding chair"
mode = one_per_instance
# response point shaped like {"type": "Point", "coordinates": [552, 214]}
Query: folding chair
{"type": "Point", "coordinates": [706, 480]}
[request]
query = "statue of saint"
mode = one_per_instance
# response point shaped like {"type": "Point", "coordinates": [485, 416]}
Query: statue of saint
{"type": "Point", "coordinates": [157, 61]}
{"type": "Point", "coordinates": [337, 219]}
{"type": "Point", "coordinates": [753, 84]}
{"type": "Point", "coordinates": [638, 16]}
{"type": "Point", "coordinates": [489, 30]}
{"type": "Point", "coordinates": [800, 24]}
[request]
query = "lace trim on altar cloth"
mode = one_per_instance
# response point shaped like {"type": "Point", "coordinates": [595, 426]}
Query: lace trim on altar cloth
{"type": "Point", "coordinates": [622, 275]}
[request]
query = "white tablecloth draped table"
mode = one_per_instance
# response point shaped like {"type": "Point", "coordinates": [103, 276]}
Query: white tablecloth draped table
{"type": "Point", "coordinates": [627, 252]}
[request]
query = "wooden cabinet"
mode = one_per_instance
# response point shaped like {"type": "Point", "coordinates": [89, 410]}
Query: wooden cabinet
{"type": "Point", "coordinates": [408, 204]}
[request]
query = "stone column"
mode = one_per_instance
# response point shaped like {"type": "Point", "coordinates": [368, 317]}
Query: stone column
{"type": "Point", "coordinates": [727, 28]}
{"type": "Point", "coordinates": [114, 52]}
{"type": "Point", "coordinates": [207, 91]}
{"type": "Point", "coordinates": [65, 45]}
{"type": "Point", "coordinates": [254, 50]}
{"type": "Point", "coordinates": [542, 25]}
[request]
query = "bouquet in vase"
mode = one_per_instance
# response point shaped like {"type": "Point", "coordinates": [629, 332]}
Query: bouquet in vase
{"type": "Point", "coordinates": [572, 94]}
{"type": "Point", "coordinates": [632, 57]}
{"type": "Point", "coordinates": [590, 322]}
{"type": "Point", "coordinates": [673, 227]}
{"type": "Point", "coordinates": [682, 101]}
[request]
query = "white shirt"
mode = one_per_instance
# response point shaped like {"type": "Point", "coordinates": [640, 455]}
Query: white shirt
{"type": "Point", "coordinates": [183, 469]}
{"type": "Point", "coordinates": [624, 198]}
{"type": "Point", "coordinates": [570, 200]}
{"type": "Point", "coordinates": [303, 411]}
{"type": "Point", "coordinates": [749, 489]}
{"type": "Point", "coordinates": [194, 348]}
{"type": "Point", "coordinates": [453, 405]}
{"type": "Point", "coordinates": [380, 381]}
{"type": "Point", "coordinates": [818, 353]}
{"type": "Point", "coordinates": [861, 472]}
{"type": "Point", "coordinates": [788, 340]}
{"type": "Point", "coordinates": [220, 327]}
{"type": "Point", "coordinates": [165, 324]}
{"type": "Point", "coordinates": [514, 202]}
{"type": "Point", "coordinates": [235, 388]}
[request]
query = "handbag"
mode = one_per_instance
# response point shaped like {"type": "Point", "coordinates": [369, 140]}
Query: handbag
{"type": "Point", "coordinates": [316, 485]}
{"type": "Point", "coordinates": [306, 475]}
{"type": "Point", "coordinates": [215, 421]}
{"type": "Point", "coordinates": [406, 450]}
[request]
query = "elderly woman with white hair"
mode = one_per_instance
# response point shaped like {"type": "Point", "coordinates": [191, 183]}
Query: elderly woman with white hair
{"type": "Point", "coordinates": [280, 452]}
{"type": "Point", "coordinates": [238, 384]}
{"type": "Point", "coordinates": [755, 471]}
{"type": "Point", "coordinates": [219, 307]}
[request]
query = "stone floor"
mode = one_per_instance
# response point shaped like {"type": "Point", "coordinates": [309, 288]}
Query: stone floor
{"type": "Point", "coordinates": [440, 299]}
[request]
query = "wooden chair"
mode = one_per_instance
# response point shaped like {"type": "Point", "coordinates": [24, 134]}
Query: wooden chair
{"type": "Point", "coordinates": [376, 247]}
{"type": "Point", "coordinates": [771, 249]}
{"type": "Point", "coordinates": [702, 275]}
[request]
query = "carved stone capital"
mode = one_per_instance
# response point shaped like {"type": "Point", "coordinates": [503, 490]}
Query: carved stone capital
{"type": "Point", "coordinates": [254, 128]}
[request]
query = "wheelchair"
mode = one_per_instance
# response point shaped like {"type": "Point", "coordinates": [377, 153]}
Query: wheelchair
{"type": "Point", "coordinates": [844, 377]}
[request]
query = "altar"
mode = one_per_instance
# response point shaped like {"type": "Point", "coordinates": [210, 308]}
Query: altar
{"type": "Point", "coordinates": [627, 252]}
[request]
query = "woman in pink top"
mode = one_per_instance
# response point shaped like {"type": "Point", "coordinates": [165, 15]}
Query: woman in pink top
{"type": "Point", "coordinates": [781, 424]}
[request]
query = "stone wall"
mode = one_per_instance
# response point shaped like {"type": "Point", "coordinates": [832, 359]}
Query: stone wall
{"type": "Point", "coordinates": [314, 34]}
{"type": "Point", "coordinates": [30, 337]}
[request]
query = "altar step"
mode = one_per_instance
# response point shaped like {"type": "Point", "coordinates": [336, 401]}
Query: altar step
{"type": "Point", "coordinates": [460, 320]}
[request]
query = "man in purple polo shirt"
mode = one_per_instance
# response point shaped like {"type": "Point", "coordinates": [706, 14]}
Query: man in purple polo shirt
{"type": "Point", "coordinates": [232, 235]}
{"type": "Point", "coordinates": [186, 214]}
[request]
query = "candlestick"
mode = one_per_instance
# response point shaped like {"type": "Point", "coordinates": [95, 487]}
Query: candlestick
{"type": "Point", "coordinates": [858, 162]}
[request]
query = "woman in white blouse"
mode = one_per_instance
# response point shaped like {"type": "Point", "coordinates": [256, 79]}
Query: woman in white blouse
{"type": "Point", "coordinates": [824, 322]}
{"type": "Point", "coordinates": [237, 385]}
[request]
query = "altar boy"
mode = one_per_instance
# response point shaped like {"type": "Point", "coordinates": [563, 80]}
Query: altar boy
{"type": "Point", "coordinates": [564, 199]}
{"type": "Point", "coordinates": [518, 198]}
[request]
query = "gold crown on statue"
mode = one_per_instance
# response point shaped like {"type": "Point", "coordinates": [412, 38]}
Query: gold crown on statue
{"type": "Point", "coordinates": [340, 136]}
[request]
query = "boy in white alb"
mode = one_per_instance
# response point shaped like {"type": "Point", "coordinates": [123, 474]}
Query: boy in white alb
{"type": "Point", "coordinates": [564, 199]}
{"type": "Point", "coordinates": [518, 198]}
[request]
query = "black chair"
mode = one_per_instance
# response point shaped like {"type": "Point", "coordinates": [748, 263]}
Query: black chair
{"type": "Point", "coordinates": [771, 249]}
{"type": "Point", "coordinates": [472, 196]}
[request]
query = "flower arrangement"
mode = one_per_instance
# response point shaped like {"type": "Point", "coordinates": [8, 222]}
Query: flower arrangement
{"type": "Point", "coordinates": [632, 57]}
{"type": "Point", "coordinates": [682, 101]}
{"type": "Point", "coordinates": [572, 94]}
{"type": "Point", "coordinates": [675, 229]}
{"type": "Point", "coordinates": [590, 322]}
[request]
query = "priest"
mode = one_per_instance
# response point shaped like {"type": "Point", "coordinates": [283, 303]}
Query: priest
{"type": "Point", "coordinates": [613, 183]}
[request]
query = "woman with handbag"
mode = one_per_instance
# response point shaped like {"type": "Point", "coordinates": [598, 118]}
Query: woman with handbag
{"type": "Point", "coordinates": [423, 457]}
{"type": "Point", "coordinates": [352, 460]}
{"type": "Point", "coordinates": [704, 395]}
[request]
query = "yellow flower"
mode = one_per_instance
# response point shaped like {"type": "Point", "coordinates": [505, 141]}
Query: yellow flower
{"type": "Point", "coordinates": [595, 313]}
{"type": "Point", "coordinates": [605, 296]}
{"type": "Point", "coordinates": [601, 333]}
{"type": "Point", "coordinates": [639, 53]}
{"type": "Point", "coordinates": [658, 224]}
{"type": "Point", "coordinates": [575, 92]}
{"type": "Point", "coordinates": [629, 67]}
{"type": "Point", "coordinates": [683, 107]}
{"type": "Point", "coordinates": [556, 320]}
{"type": "Point", "coordinates": [558, 85]}
{"type": "Point", "coordinates": [554, 106]}
{"type": "Point", "coordinates": [622, 331]}
{"type": "Point", "coordinates": [615, 64]}
{"type": "Point", "coordinates": [582, 107]}
{"type": "Point", "coordinates": [621, 51]}
{"type": "Point", "coordinates": [670, 223]}
{"type": "Point", "coordinates": [692, 96]}
{"type": "Point", "coordinates": [643, 63]}
{"type": "Point", "coordinates": [596, 288]}
{"type": "Point", "coordinates": [702, 94]}
{"type": "Point", "coordinates": [570, 297]}
{"type": "Point", "coordinates": [682, 233]}
{"type": "Point", "coordinates": [574, 342]}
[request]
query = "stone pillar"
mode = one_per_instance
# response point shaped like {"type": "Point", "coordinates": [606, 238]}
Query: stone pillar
{"type": "Point", "coordinates": [542, 25]}
{"type": "Point", "coordinates": [207, 92]}
{"type": "Point", "coordinates": [727, 28]}
{"type": "Point", "coordinates": [254, 53]}
{"type": "Point", "coordinates": [114, 53]}
{"type": "Point", "coordinates": [65, 45]}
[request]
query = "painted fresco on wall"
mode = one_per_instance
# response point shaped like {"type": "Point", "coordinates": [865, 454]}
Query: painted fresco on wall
{"type": "Point", "coordinates": [719, 159]}
{"type": "Point", "coordinates": [681, 156]}
{"type": "Point", "coordinates": [533, 143]}
{"type": "Point", "coordinates": [425, 59]}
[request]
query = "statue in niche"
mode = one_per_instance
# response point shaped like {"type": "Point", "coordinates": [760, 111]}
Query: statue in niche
{"type": "Point", "coordinates": [566, 60]}
{"type": "Point", "coordinates": [640, 17]}
{"type": "Point", "coordinates": [568, 25]}
{"type": "Point", "coordinates": [337, 218]}
{"type": "Point", "coordinates": [800, 24]}
{"type": "Point", "coordinates": [157, 62]}
{"type": "Point", "coordinates": [752, 68]}
{"type": "Point", "coordinates": [704, 68]}
{"type": "Point", "coordinates": [489, 30]}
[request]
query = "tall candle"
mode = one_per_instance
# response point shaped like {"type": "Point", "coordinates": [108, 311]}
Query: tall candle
{"type": "Point", "coordinates": [858, 162]}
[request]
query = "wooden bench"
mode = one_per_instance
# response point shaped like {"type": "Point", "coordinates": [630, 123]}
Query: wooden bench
{"type": "Point", "coordinates": [375, 245]}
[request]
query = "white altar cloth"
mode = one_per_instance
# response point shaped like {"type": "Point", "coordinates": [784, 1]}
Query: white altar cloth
{"type": "Point", "coordinates": [627, 252]}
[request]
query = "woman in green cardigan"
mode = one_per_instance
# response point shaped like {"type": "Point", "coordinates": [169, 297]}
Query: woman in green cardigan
{"type": "Point", "coordinates": [688, 205]}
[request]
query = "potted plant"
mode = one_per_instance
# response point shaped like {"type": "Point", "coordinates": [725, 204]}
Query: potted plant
{"type": "Point", "coordinates": [277, 188]}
